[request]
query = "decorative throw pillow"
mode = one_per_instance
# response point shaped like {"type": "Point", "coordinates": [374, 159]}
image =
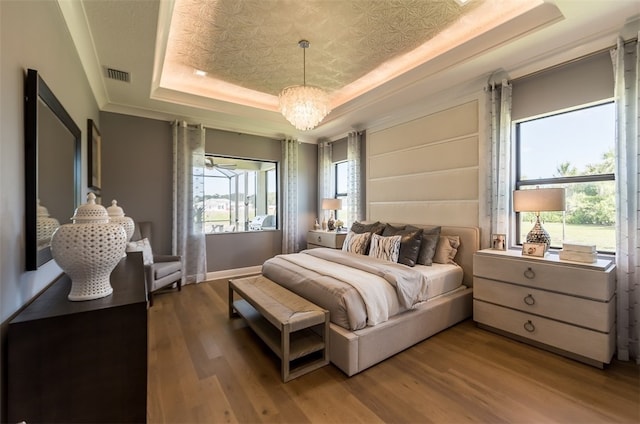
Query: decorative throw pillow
{"type": "Point", "coordinates": [356, 243]}
{"type": "Point", "coordinates": [144, 247]}
{"type": "Point", "coordinates": [359, 227]}
{"type": "Point", "coordinates": [385, 248]}
{"type": "Point", "coordinates": [430, 239]}
{"type": "Point", "coordinates": [446, 249]}
{"type": "Point", "coordinates": [409, 243]}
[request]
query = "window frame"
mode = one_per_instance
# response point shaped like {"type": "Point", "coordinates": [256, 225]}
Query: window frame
{"type": "Point", "coordinates": [257, 196]}
{"type": "Point", "coordinates": [518, 183]}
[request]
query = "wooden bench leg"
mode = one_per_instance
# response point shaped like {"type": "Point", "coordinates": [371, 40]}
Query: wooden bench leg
{"type": "Point", "coordinates": [285, 343]}
{"type": "Point", "coordinates": [232, 311]}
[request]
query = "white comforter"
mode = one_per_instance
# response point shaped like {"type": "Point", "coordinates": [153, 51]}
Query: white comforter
{"type": "Point", "coordinates": [385, 288]}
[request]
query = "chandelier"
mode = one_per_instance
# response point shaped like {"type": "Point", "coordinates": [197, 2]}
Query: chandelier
{"type": "Point", "coordinates": [303, 105]}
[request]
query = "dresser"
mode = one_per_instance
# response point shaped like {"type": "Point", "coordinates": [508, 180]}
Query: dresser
{"type": "Point", "coordinates": [565, 307]}
{"type": "Point", "coordinates": [331, 239]}
{"type": "Point", "coordinates": [81, 361]}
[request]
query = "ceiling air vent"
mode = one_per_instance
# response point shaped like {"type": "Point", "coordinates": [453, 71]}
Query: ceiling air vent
{"type": "Point", "coordinates": [118, 75]}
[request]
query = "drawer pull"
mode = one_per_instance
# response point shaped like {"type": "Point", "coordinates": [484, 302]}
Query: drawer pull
{"type": "Point", "coordinates": [529, 274]}
{"type": "Point", "coordinates": [319, 238]}
{"type": "Point", "coordinates": [529, 300]}
{"type": "Point", "coordinates": [529, 326]}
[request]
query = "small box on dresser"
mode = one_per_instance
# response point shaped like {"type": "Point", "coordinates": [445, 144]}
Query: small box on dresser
{"type": "Point", "coordinates": [565, 307]}
{"type": "Point", "coordinates": [330, 239]}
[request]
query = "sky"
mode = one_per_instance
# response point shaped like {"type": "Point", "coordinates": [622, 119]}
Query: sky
{"type": "Point", "coordinates": [578, 137]}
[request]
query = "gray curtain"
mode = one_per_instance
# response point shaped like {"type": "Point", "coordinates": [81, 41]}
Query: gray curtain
{"type": "Point", "coordinates": [325, 174]}
{"type": "Point", "coordinates": [188, 238]}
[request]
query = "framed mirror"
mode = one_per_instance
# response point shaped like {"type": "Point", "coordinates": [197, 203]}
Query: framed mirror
{"type": "Point", "coordinates": [52, 168]}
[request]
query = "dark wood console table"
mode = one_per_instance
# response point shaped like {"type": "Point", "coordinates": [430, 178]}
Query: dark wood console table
{"type": "Point", "coordinates": [81, 361]}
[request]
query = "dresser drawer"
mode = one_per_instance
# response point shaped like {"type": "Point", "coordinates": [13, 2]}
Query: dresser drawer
{"type": "Point", "coordinates": [581, 341]}
{"type": "Point", "coordinates": [574, 280]}
{"type": "Point", "coordinates": [599, 316]}
{"type": "Point", "coordinates": [326, 239]}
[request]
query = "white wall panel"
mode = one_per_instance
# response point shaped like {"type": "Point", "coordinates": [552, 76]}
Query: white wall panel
{"type": "Point", "coordinates": [451, 123]}
{"type": "Point", "coordinates": [462, 213]}
{"type": "Point", "coordinates": [426, 171]}
{"type": "Point", "coordinates": [457, 184]}
{"type": "Point", "coordinates": [460, 153]}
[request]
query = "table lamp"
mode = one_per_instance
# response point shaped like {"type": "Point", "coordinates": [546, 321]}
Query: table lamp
{"type": "Point", "coordinates": [539, 200]}
{"type": "Point", "coordinates": [331, 205]}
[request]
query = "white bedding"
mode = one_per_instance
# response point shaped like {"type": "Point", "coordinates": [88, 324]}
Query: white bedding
{"type": "Point", "coordinates": [443, 278]}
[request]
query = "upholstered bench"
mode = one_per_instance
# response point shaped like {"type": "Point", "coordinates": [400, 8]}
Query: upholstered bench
{"type": "Point", "coordinates": [291, 326]}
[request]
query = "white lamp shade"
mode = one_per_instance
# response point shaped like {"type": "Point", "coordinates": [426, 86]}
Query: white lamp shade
{"type": "Point", "coordinates": [539, 200]}
{"type": "Point", "coordinates": [331, 204]}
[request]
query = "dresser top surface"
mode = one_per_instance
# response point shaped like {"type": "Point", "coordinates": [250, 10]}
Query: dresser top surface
{"type": "Point", "coordinates": [601, 264]}
{"type": "Point", "coordinates": [127, 280]}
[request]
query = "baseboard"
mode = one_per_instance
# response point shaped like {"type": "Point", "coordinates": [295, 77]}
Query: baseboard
{"type": "Point", "coordinates": [231, 273]}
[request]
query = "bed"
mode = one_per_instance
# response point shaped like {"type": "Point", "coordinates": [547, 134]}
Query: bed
{"type": "Point", "coordinates": [357, 343]}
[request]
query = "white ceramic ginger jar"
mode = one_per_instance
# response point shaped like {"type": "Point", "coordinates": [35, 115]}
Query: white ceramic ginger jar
{"type": "Point", "coordinates": [45, 226]}
{"type": "Point", "coordinates": [88, 250]}
{"type": "Point", "coordinates": [116, 214]}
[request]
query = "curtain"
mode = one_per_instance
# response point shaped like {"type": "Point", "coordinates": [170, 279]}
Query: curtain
{"type": "Point", "coordinates": [188, 238]}
{"type": "Point", "coordinates": [325, 171]}
{"type": "Point", "coordinates": [500, 157]}
{"type": "Point", "coordinates": [625, 63]}
{"type": "Point", "coordinates": [355, 210]}
{"type": "Point", "coordinates": [290, 242]}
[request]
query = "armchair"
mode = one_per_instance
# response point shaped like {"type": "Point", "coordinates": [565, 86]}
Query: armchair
{"type": "Point", "coordinates": [161, 271]}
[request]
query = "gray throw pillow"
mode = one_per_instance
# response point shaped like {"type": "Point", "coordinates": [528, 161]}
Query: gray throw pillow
{"type": "Point", "coordinates": [409, 243]}
{"type": "Point", "coordinates": [374, 228]}
{"type": "Point", "coordinates": [430, 238]}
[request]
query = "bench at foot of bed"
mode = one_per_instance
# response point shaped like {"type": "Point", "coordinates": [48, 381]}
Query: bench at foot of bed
{"type": "Point", "coordinates": [294, 329]}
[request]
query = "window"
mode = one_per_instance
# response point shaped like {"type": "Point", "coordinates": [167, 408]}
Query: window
{"type": "Point", "coordinates": [341, 184]}
{"type": "Point", "coordinates": [240, 195]}
{"type": "Point", "coordinates": [574, 150]}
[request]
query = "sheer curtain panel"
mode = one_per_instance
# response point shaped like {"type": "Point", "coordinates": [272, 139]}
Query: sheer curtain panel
{"type": "Point", "coordinates": [325, 172]}
{"type": "Point", "coordinates": [290, 242]}
{"type": "Point", "coordinates": [625, 63]}
{"type": "Point", "coordinates": [188, 200]}
{"type": "Point", "coordinates": [499, 99]}
{"type": "Point", "coordinates": [355, 210]}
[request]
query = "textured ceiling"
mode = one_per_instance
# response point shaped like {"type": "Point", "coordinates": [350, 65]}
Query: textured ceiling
{"type": "Point", "coordinates": [254, 43]}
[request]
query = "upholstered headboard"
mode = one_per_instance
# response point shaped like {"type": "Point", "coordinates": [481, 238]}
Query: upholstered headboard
{"type": "Point", "coordinates": [469, 244]}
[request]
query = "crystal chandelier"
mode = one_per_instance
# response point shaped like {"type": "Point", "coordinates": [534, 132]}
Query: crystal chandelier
{"type": "Point", "coordinates": [303, 105]}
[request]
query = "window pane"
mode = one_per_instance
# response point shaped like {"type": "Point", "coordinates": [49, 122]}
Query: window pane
{"type": "Point", "coordinates": [241, 195]}
{"type": "Point", "coordinates": [589, 217]}
{"type": "Point", "coordinates": [574, 143]}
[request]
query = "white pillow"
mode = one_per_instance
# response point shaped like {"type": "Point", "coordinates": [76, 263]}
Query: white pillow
{"type": "Point", "coordinates": [385, 248]}
{"type": "Point", "coordinates": [144, 247]}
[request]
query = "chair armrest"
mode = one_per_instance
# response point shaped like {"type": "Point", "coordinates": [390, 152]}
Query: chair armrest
{"type": "Point", "coordinates": [166, 258]}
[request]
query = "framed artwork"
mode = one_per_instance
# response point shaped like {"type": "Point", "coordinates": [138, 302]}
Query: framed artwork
{"type": "Point", "coordinates": [94, 156]}
{"type": "Point", "coordinates": [534, 249]}
{"type": "Point", "coordinates": [499, 241]}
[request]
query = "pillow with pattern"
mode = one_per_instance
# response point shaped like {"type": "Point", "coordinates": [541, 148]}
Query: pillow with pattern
{"type": "Point", "coordinates": [385, 248]}
{"type": "Point", "coordinates": [409, 244]}
{"type": "Point", "coordinates": [142, 246]}
{"type": "Point", "coordinates": [356, 243]}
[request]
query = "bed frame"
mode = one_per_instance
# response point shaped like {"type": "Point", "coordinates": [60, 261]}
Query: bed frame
{"type": "Point", "coordinates": [355, 351]}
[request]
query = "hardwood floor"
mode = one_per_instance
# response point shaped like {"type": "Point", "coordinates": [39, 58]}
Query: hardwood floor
{"type": "Point", "coordinates": [205, 368]}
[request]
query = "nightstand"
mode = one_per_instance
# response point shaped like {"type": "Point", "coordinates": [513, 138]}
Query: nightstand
{"type": "Point", "coordinates": [331, 239]}
{"type": "Point", "coordinates": [565, 307]}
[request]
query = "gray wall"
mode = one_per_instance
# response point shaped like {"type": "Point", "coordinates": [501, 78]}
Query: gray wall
{"type": "Point", "coordinates": [137, 171]}
{"type": "Point", "coordinates": [32, 35]}
{"type": "Point", "coordinates": [242, 250]}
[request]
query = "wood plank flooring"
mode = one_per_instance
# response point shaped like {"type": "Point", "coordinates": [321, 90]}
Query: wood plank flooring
{"type": "Point", "coordinates": [205, 368]}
